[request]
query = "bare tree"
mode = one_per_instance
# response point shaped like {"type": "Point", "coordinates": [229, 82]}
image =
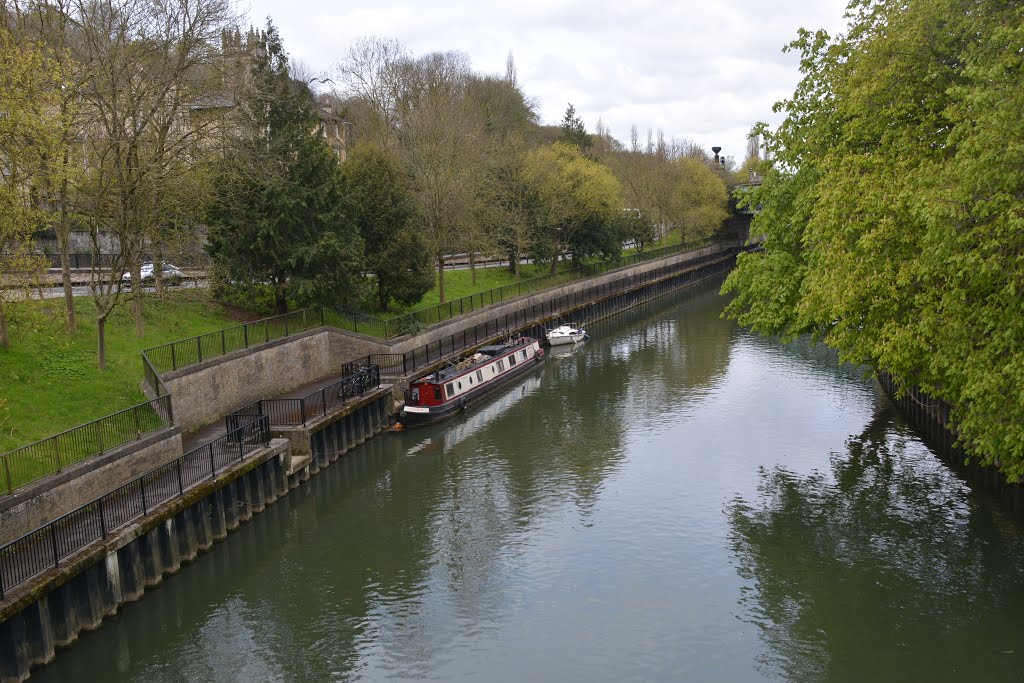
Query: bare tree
{"type": "Point", "coordinates": [150, 68]}
{"type": "Point", "coordinates": [374, 72]}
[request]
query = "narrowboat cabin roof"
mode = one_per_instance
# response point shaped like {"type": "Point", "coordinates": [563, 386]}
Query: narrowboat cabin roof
{"type": "Point", "coordinates": [484, 354]}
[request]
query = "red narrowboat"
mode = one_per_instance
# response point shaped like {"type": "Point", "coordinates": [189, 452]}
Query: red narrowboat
{"type": "Point", "coordinates": [449, 390]}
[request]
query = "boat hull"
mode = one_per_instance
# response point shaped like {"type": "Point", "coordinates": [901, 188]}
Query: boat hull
{"type": "Point", "coordinates": [566, 339]}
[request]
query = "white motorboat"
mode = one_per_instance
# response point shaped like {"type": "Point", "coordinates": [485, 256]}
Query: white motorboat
{"type": "Point", "coordinates": [566, 334]}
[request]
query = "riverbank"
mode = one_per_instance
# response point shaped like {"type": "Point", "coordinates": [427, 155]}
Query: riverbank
{"type": "Point", "coordinates": [49, 381]}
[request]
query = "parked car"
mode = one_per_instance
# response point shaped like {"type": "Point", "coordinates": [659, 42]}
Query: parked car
{"type": "Point", "coordinates": [171, 274]}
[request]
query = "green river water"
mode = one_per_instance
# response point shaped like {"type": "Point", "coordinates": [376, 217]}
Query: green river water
{"type": "Point", "coordinates": [677, 500]}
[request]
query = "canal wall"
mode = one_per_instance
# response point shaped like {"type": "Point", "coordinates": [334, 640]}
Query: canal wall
{"type": "Point", "coordinates": [44, 500]}
{"type": "Point", "coordinates": [53, 610]}
{"type": "Point", "coordinates": [930, 417]}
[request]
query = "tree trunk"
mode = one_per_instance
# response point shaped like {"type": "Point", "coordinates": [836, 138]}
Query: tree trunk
{"type": "Point", "coordinates": [440, 278]}
{"type": "Point", "coordinates": [516, 266]}
{"type": "Point", "coordinates": [5, 340]}
{"type": "Point", "coordinates": [382, 294]}
{"type": "Point", "coordinates": [472, 265]}
{"type": "Point", "coordinates": [554, 262]}
{"type": "Point", "coordinates": [137, 287]}
{"type": "Point", "coordinates": [281, 297]}
{"type": "Point", "coordinates": [158, 271]}
{"type": "Point", "coordinates": [101, 342]}
{"type": "Point", "coordinates": [65, 275]}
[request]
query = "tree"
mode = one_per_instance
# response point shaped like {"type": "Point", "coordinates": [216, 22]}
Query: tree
{"type": "Point", "coordinates": [891, 209]}
{"type": "Point", "coordinates": [279, 212]}
{"type": "Point", "coordinates": [441, 148]}
{"type": "Point", "coordinates": [378, 197]}
{"type": "Point", "coordinates": [147, 66]}
{"type": "Point", "coordinates": [29, 88]}
{"type": "Point", "coordinates": [571, 193]}
{"type": "Point", "coordinates": [574, 132]}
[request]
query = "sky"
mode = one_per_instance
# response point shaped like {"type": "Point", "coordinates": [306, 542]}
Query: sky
{"type": "Point", "coordinates": [704, 71]}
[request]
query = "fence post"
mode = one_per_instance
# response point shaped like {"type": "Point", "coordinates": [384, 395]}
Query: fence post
{"type": "Point", "coordinates": [53, 544]}
{"type": "Point", "coordinates": [199, 349]}
{"type": "Point", "coordinates": [99, 438]}
{"type": "Point", "coordinates": [142, 489]}
{"type": "Point", "coordinates": [245, 335]}
{"type": "Point", "coordinates": [266, 329]}
{"type": "Point", "coordinates": [323, 399]}
{"type": "Point", "coordinates": [103, 522]}
{"type": "Point", "coordinates": [223, 346]}
{"type": "Point", "coordinates": [302, 410]}
{"type": "Point", "coordinates": [174, 360]}
{"type": "Point", "coordinates": [7, 473]}
{"type": "Point", "coordinates": [170, 408]}
{"type": "Point", "coordinates": [181, 484]}
{"type": "Point", "coordinates": [286, 324]}
{"type": "Point", "coordinates": [213, 466]}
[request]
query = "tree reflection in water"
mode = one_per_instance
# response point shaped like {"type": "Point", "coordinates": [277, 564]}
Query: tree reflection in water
{"type": "Point", "coordinates": [887, 568]}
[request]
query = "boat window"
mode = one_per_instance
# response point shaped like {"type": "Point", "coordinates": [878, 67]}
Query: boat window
{"type": "Point", "coordinates": [501, 365]}
{"type": "Point", "coordinates": [450, 389]}
{"type": "Point", "coordinates": [460, 386]}
{"type": "Point", "coordinates": [415, 395]}
{"type": "Point", "coordinates": [437, 392]}
{"type": "Point", "coordinates": [524, 353]}
{"type": "Point", "coordinates": [512, 360]}
{"type": "Point", "coordinates": [479, 375]}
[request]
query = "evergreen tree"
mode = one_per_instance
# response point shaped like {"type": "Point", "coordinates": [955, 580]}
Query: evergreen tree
{"type": "Point", "coordinates": [378, 194]}
{"type": "Point", "coordinates": [279, 215]}
{"type": "Point", "coordinates": [574, 132]}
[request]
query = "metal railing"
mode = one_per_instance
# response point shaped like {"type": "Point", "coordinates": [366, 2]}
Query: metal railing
{"type": "Point", "coordinates": [48, 546]}
{"type": "Point", "coordinates": [394, 327]}
{"type": "Point", "coordinates": [36, 460]}
{"type": "Point", "coordinates": [402, 364]}
{"type": "Point", "coordinates": [194, 350]}
{"type": "Point", "coordinates": [292, 412]}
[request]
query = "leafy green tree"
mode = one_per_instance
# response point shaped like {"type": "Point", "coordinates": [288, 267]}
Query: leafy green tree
{"type": "Point", "coordinates": [279, 212]}
{"type": "Point", "coordinates": [572, 193]}
{"type": "Point", "coordinates": [891, 210]}
{"type": "Point", "coordinates": [29, 87]}
{"type": "Point", "coordinates": [380, 205]}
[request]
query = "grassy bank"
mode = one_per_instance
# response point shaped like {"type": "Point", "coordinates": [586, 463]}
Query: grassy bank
{"type": "Point", "coordinates": [48, 377]}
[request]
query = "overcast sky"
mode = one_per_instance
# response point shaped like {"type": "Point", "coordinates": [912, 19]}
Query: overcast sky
{"type": "Point", "coordinates": [699, 70]}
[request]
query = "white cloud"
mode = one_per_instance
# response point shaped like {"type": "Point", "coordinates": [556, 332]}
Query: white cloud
{"type": "Point", "coordinates": [704, 71]}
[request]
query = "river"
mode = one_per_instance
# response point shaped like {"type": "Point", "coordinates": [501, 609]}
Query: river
{"type": "Point", "coordinates": [679, 499]}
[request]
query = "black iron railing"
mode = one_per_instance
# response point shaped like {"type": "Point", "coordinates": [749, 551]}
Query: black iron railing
{"type": "Point", "coordinates": [49, 546]}
{"type": "Point", "coordinates": [402, 364]}
{"type": "Point", "coordinates": [36, 460]}
{"type": "Point", "coordinates": [356, 379]}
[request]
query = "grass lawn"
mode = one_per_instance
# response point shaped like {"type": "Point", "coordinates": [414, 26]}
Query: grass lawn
{"type": "Point", "coordinates": [48, 377]}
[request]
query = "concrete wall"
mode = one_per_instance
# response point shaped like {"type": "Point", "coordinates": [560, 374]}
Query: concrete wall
{"type": "Point", "coordinates": [202, 393]}
{"type": "Point", "coordinates": [49, 498]}
{"type": "Point", "coordinates": [345, 346]}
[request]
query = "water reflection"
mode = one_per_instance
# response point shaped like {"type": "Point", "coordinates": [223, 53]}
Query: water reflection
{"type": "Point", "coordinates": [855, 574]}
